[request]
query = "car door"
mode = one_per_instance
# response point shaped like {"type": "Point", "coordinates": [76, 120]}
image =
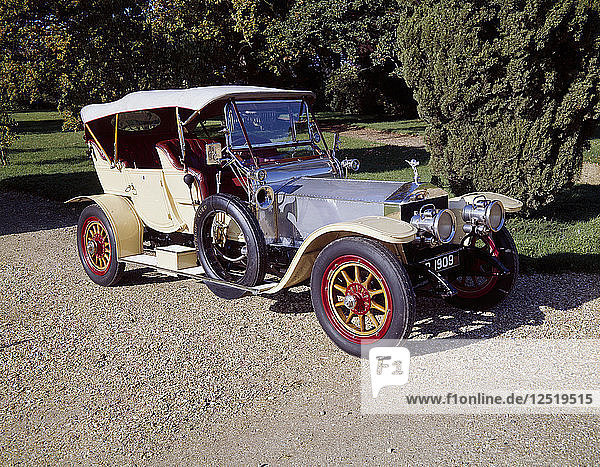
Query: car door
{"type": "Point", "coordinates": [147, 191]}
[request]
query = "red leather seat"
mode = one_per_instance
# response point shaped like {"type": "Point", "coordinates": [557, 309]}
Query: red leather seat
{"type": "Point", "coordinates": [139, 152]}
{"type": "Point", "coordinates": [195, 157]}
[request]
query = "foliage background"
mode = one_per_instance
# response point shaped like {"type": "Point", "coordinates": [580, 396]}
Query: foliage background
{"type": "Point", "coordinates": [68, 53]}
{"type": "Point", "coordinates": [509, 89]}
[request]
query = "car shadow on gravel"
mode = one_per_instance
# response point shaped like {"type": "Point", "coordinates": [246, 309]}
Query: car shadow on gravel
{"type": "Point", "coordinates": [143, 276]}
{"type": "Point", "coordinates": [291, 302]}
{"type": "Point", "coordinates": [524, 307]}
{"type": "Point", "coordinates": [435, 319]}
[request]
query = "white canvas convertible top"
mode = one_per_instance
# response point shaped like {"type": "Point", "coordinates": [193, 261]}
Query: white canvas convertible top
{"type": "Point", "coordinates": [193, 98]}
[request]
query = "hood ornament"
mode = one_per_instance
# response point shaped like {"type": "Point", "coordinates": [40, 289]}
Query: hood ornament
{"type": "Point", "coordinates": [414, 164]}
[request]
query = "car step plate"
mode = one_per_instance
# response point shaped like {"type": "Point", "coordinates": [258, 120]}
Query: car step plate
{"type": "Point", "coordinates": [192, 273]}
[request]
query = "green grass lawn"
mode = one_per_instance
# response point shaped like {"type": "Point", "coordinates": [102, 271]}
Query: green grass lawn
{"type": "Point", "coordinates": [47, 161]}
{"type": "Point", "coordinates": [405, 127]}
{"type": "Point", "coordinates": [563, 236]}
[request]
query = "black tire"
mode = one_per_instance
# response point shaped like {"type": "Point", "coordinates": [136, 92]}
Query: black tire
{"type": "Point", "coordinates": [387, 272]}
{"type": "Point", "coordinates": [100, 259]}
{"type": "Point", "coordinates": [208, 255]}
{"type": "Point", "coordinates": [492, 294]}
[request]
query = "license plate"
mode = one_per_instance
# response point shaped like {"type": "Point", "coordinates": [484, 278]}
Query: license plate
{"type": "Point", "coordinates": [443, 262]}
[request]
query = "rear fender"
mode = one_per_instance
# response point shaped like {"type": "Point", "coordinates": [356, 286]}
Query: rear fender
{"type": "Point", "coordinates": [127, 226]}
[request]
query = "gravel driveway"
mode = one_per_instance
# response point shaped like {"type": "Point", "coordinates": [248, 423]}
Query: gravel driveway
{"type": "Point", "coordinates": [159, 369]}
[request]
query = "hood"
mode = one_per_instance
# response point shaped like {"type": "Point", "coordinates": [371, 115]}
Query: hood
{"type": "Point", "coordinates": [366, 191]}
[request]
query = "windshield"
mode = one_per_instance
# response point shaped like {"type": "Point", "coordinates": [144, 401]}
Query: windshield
{"type": "Point", "coordinates": [269, 123]}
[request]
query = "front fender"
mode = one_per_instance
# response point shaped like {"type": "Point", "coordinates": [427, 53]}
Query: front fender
{"type": "Point", "coordinates": [127, 226]}
{"type": "Point", "coordinates": [510, 204]}
{"type": "Point", "coordinates": [391, 232]}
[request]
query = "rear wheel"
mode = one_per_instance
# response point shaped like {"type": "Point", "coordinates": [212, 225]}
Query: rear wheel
{"type": "Point", "coordinates": [361, 294]}
{"type": "Point", "coordinates": [479, 284]}
{"type": "Point", "coordinates": [229, 244]}
{"type": "Point", "coordinates": [96, 245]}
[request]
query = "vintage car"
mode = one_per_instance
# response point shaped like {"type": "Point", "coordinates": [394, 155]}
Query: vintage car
{"type": "Point", "coordinates": [236, 186]}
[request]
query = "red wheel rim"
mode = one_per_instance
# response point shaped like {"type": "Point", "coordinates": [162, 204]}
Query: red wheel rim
{"type": "Point", "coordinates": [95, 245]}
{"type": "Point", "coordinates": [357, 299]}
{"type": "Point", "coordinates": [476, 283]}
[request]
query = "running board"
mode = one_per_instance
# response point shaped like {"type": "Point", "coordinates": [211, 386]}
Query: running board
{"type": "Point", "coordinates": [193, 273]}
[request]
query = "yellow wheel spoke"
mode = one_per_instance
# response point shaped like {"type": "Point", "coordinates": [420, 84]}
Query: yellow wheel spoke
{"type": "Point", "coordinates": [359, 280]}
{"type": "Point", "coordinates": [346, 277]}
{"type": "Point", "coordinates": [373, 320]}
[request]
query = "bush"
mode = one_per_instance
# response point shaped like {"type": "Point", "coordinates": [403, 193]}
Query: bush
{"type": "Point", "coordinates": [509, 89]}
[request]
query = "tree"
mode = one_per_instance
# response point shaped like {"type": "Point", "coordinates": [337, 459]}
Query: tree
{"type": "Point", "coordinates": [343, 50]}
{"type": "Point", "coordinates": [510, 90]}
{"type": "Point", "coordinates": [69, 53]}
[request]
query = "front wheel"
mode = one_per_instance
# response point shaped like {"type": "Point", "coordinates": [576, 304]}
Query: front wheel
{"type": "Point", "coordinates": [479, 284]}
{"type": "Point", "coordinates": [96, 244]}
{"type": "Point", "coordinates": [361, 294]}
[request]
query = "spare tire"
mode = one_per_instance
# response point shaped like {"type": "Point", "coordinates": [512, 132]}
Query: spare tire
{"type": "Point", "coordinates": [229, 244]}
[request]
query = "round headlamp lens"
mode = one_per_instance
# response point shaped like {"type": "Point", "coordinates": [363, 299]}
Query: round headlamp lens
{"type": "Point", "coordinates": [445, 226]}
{"type": "Point", "coordinates": [495, 215]}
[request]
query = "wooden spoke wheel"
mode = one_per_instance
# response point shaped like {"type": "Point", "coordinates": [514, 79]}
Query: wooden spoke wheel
{"type": "Point", "coordinates": [478, 277]}
{"type": "Point", "coordinates": [481, 285]}
{"type": "Point", "coordinates": [96, 245]}
{"type": "Point", "coordinates": [357, 298]}
{"type": "Point", "coordinates": [361, 294]}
